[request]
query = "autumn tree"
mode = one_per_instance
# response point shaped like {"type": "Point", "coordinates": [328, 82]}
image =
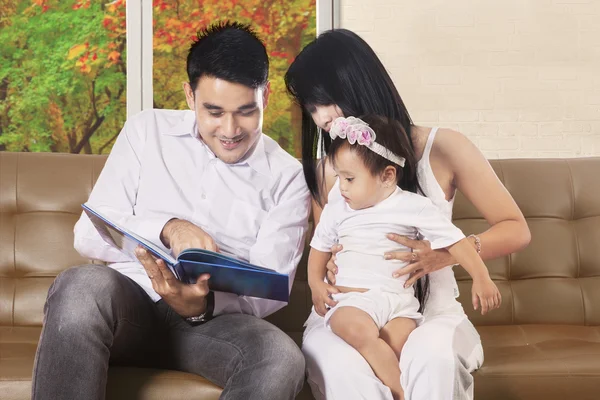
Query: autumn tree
{"type": "Point", "coordinates": [63, 65]}
{"type": "Point", "coordinates": [63, 69]}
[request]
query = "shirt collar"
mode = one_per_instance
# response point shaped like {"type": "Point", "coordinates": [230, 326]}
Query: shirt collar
{"type": "Point", "coordinates": [186, 126]}
{"type": "Point", "coordinates": [257, 160]}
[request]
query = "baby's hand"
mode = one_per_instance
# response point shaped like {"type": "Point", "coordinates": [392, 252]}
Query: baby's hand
{"type": "Point", "coordinates": [485, 294]}
{"type": "Point", "coordinates": [321, 292]}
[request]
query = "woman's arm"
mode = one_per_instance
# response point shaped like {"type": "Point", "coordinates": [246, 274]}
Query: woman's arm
{"type": "Point", "coordinates": [475, 178]}
{"type": "Point", "coordinates": [468, 171]}
{"type": "Point", "coordinates": [464, 253]}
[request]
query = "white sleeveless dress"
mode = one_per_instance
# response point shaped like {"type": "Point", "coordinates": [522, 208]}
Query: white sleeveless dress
{"type": "Point", "coordinates": [443, 288]}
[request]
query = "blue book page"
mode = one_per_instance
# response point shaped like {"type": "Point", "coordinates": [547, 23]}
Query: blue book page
{"type": "Point", "coordinates": [122, 238]}
{"type": "Point", "coordinates": [217, 258]}
{"type": "Point", "coordinates": [238, 279]}
{"type": "Point", "coordinates": [228, 274]}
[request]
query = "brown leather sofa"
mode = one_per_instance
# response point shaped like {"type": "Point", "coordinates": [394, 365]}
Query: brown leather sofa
{"type": "Point", "coordinates": [544, 343]}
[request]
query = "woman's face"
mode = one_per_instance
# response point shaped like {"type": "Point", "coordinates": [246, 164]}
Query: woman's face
{"type": "Point", "coordinates": [325, 115]}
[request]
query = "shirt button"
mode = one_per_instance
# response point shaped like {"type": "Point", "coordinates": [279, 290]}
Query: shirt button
{"type": "Point", "coordinates": [203, 196]}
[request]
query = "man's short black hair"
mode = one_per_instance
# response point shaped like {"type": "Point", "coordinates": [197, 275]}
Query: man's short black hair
{"type": "Point", "coordinates": [230, 51]}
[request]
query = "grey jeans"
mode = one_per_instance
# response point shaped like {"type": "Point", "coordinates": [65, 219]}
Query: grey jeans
{"type": "Point", "coordinates": [95, 317]}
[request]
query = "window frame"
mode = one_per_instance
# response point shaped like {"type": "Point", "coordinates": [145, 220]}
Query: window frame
{"type": "Point", "coordinates": [140, 95]}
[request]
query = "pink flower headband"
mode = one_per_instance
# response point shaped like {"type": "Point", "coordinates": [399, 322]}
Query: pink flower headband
{"type": "Point", "coordinates": [356, 130]}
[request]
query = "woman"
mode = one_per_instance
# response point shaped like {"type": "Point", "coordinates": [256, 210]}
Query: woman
{"type": "Point", "coordinates": [338, 74]}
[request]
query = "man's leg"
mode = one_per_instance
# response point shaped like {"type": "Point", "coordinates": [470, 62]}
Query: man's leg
{"type": "Point", "coordinates": [93, 314]}
{"type": "Point", "coordinates": [336, 371]}
{"type": "Point", "coordinates": [438, 358]}
{"type": "Point", "coordinates": [247, 356]}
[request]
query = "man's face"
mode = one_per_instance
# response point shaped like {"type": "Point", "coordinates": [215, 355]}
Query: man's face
{"type": "Point", "coordinates": [229, 116]}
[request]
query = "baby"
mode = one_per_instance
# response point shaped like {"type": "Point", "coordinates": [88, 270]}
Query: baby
{"type": "Point", "coordinates": [375, 313]}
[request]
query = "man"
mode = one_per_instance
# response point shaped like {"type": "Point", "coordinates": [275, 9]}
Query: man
{"type": "Point", "coordinates": [205, 178]}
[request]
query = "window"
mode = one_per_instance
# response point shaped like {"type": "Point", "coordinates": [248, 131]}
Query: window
{"type": "Point", "coordinates": [72, 71]}
{"type": "Point", "coordinates": [62, 75]}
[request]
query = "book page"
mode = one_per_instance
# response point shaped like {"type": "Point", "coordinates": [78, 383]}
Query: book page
{"type": "Point", "coordinates": [122, 238]}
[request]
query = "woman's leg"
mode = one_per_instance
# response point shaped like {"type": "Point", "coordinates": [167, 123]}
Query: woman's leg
{"type": "Point", "coordinates": [396, 332]}
{"type": "Point", "coordinates": [336, 371]}
{"type": "Point", "coordinates": [438, 358]}
{"type": "Point", "coordinates": [359, 330]}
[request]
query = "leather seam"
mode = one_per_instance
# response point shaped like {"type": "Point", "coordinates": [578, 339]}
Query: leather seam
{"type": "Point", "coordinates": [512, 295]}
{"type": "Point", "coordinates": [48, 212]}
{"type": "Point", "coordinates": [572, 190]}
{"type": "Point", "coordinates": [14, 297]}
{"type": "Point", "coordinates": [576, 240]}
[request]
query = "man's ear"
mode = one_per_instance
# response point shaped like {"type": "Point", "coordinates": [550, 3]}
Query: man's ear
{"type": "Point", "coordinates": [189, 96]}
{"type": "Point", "coordinates": [388, 176]}
{"type": "Point", "coordinates": [266, 91]}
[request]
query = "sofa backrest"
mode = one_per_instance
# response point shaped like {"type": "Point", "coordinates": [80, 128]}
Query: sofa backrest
{"type": "Point", "coordinates": [40, 201]}
{"type": "Point", "coordinates": [555, 280]}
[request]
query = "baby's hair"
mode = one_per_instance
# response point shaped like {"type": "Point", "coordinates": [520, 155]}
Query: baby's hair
{"type": "Point", "coordinates": [390, 134]}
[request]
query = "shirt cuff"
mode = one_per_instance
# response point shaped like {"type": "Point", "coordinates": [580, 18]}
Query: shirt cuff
{"type": "Point", "coordinates": [317, 244]}
{"type": "Point", "coordinates": [226, 303]}
{"type": "Point", "coordinates": [149, 228]}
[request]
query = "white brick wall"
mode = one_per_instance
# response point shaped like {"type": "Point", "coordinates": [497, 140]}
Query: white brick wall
{"type": "Point", "coordinates": [521, 78]}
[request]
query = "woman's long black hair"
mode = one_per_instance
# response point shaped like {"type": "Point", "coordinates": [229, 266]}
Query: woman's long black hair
{"type": "Point", "coordinates": [340, 68]}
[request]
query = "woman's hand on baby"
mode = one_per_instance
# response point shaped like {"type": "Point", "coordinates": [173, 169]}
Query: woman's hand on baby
{"type": "Point", "coordinates": [321, 297]}
{"type": "Point", "coordinates": [424, 262]}
{"type": "Point", "coordinates": [485, 295]}
{"type": "Point", "coordinates": [332, 269]}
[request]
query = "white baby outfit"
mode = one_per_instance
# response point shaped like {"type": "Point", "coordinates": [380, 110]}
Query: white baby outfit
{"type": "Point", "coordinates": [361, 263]}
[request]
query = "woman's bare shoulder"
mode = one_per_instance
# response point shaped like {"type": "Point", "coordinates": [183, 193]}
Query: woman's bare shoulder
{"type": "Point", "coordinates": [451, 146]}
{"type": "Point", "coordinates": [419, 135]}
{"type": "Point", "coordinates": [446, 140]}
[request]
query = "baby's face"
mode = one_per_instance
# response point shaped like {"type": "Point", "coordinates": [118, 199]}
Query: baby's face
{"type": "Point", "coordinates": [359, 187]}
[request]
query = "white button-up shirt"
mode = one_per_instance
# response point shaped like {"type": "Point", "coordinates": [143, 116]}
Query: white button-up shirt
{"type": "Point", "coordinates": [256, 210]}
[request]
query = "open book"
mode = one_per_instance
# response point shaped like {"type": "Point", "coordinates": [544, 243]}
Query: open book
{"type": "Point", "coordinates": [227, 274]}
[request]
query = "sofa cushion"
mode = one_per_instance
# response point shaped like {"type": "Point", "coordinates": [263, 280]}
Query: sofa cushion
{"type": "Point", "coordinates": [539, 361]}
{"type": "Point", "coordinates": [125, 383]}
{"type": "Point", "coordinates": [17, 347]}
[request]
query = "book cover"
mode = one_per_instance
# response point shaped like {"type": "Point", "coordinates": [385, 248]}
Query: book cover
{"type": "Point", "coordinates": [227, 274]}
